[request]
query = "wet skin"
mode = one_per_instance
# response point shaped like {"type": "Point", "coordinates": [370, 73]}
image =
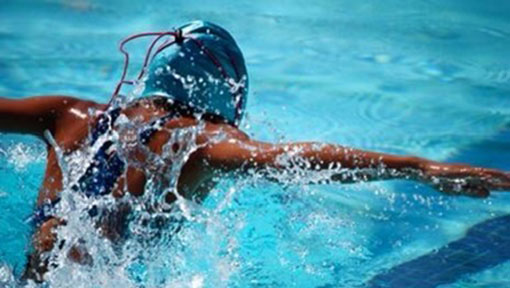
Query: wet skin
{"type": "Point", "coordinates": [69, 121]}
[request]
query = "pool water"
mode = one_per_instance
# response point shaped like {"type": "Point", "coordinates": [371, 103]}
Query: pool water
{"type": "Point", "coordinates": [429, 78]}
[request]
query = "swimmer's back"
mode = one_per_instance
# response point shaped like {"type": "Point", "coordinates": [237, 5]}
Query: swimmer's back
{"type": "Point", "coordinates": [73, 126]}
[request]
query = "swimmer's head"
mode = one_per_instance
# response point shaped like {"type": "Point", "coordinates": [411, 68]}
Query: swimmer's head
{"type": "Point", "coordinates": [203, 69]}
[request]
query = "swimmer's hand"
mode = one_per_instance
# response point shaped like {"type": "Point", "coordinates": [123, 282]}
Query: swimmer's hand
{"type": "Point", "coordinates": [460, 179]}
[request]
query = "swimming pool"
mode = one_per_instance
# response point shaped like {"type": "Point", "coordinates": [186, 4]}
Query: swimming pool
{"type": "Point", "coordinates": [429, 78]}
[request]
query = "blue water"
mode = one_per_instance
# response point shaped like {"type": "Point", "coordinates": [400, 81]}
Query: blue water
{"type": "Point", "coordinates": [429, 78]}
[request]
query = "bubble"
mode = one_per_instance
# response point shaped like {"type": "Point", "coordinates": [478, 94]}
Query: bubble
{"type": "Point", "coordinates": [22, 155]}
{"type": "Point", "coordinates": [158, 71]}
{"type": "Point", "coordinates": [7, 279]}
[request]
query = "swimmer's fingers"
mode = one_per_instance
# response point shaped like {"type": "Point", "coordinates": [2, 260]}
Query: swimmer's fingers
{"type": "Point", "coordinates": [495, 180]}
{"type": "Point", "coordinates": [459, 179]}
{"type": "Point", "coordinates": [457, 187]}
{"type": "Point", "coordinates": [499, 183]}
{"type": "Point", "coordinates": [481, 181]}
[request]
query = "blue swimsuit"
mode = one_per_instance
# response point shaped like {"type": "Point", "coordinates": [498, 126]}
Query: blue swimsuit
{"type": "Point", "coordinates": [105, 168]}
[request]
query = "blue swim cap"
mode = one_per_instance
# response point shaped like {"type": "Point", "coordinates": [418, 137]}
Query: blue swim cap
{"type": "Point", "coordinates": [204, 69]}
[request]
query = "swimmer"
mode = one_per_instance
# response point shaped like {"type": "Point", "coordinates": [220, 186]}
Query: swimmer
{"type": "Point", "coordinates": [197, 75]}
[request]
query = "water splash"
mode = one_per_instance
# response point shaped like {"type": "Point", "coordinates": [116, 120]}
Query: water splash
{"type": "Point", "coordinates": [21, 155]}
{"type": "Point", "coordinates": [7, 279]}
{"type": "Point", "coordinates": [229, 241]}
{"type": "Point", "coordinates": [235, 239]}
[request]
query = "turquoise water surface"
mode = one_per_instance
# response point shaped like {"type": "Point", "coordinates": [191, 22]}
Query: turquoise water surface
{"type": "Point", "coordinates": [424, 77]}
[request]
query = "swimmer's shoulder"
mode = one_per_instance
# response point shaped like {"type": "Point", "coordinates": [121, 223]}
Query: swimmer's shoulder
{"type": "Point", "coordinates": [65, 108]}
{"type": "Point", "coordinates": [208, 129]}
{"type": "Point", "coordinates": [209, 132]}
{"type": "Point", "coordinates": [226, 131]}
{"type": "Point", "coordinates": [73, 116]}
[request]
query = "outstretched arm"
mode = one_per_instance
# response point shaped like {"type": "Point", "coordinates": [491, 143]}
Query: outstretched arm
{"type": "Point", "coordinates": [32, 115]}
{"type": "Point", "coordinates": [240, 153]}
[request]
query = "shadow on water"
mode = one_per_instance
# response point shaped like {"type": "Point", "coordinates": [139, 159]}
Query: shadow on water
{"type": "Point", "coordinates": [485, 245]}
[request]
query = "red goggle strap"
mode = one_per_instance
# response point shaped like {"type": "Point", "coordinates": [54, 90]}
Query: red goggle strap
{"type": "Point", "coordinates": [178, 38]}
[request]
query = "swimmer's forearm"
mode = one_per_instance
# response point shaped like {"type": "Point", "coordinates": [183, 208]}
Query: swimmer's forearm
{"type": "Point", "coordinates": [352, 164]}
{"type": "Point", "coordinates": [14, 118]}
{"type": "Point", "coordinates": [31, 115]}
